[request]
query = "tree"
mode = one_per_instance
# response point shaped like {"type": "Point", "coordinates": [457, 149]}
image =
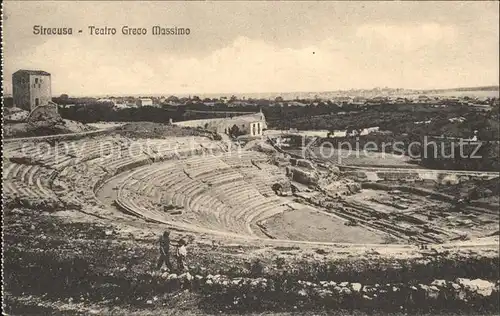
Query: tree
{"type": "Point", "coordinates": [63, 99]}
{"type": "Point", "coordinates": [234, 131]}
{"type": "Point", "coordinates": [172, 98]}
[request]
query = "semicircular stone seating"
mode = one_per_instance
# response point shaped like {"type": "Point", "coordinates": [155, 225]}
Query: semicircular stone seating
{"type": "Point", "coordinates": [69, 171]}
{"type": "Point", "coordinates": [185, 181]}
{"type": "Point", "coordinates": [25, 181]}
{"type": "Point", "coordinates": [204, 191]}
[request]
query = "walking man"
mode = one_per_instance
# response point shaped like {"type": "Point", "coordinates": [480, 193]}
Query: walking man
{"type": "Point", "coordinates": [181, 256]}
{"type": "Point", "coordinates": [164, 251]}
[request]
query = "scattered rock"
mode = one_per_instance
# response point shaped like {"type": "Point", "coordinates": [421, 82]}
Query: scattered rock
{"type": "Point", "coordinates": [439, 283]}
{"type": "Point", "coordinates": [17, 211]}
{"type": "Point", "coordinates": [356, 287]}
{"type": "Point", "coordinates": [481, 287]}
{"type": "Point", "coordinates": [172, 276]}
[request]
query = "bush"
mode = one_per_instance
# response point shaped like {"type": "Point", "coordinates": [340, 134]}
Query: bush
{"type": "Point", "coordinates": [257, 268]}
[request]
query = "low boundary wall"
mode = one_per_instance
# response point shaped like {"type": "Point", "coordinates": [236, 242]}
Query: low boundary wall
{"type": "Point", "coordinates": [415, 175]}
{"type": "Point", "coordinates": [426, 192]}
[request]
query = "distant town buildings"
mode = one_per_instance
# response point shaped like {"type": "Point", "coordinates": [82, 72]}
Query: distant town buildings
{"type": "Point", "coordinates": [424, 99]}
{"type": "Point", "coordinates": [296, 103]}
{"type": "Point", "coordinates": [359, 101]}
{"type": "Point", "coordinates": [106, 100]}
{"type": "Point", "coordinates": [31, 88]}
{"type": "Point", "coordinates": [144, 102]}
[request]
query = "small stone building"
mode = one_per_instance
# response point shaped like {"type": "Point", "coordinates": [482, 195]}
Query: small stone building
{"type": "Point", "coordinates": [250, 124]}
{"type": "Point", "coordinates": [31, 88]}
{"type": "Point", "coordinates": [144, 102]}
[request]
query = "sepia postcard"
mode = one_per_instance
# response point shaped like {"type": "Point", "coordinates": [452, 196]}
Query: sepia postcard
{"type": "Point", "coordinates": [250, 158]}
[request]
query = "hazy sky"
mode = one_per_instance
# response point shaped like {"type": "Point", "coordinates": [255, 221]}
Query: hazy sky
{"type": "Point", "coordinates": [255, 47]}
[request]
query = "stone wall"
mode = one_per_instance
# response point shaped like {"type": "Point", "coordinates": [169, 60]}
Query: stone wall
{"type": "Point", "coordinates": [307, 177]}
{"type": "Point", "coordinates": [413, 175]}
{"type": "Point", "coordinates": [244, 292]}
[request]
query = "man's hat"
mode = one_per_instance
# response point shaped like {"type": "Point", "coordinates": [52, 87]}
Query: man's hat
{"type": "Point", "coordinates": [166, 233]}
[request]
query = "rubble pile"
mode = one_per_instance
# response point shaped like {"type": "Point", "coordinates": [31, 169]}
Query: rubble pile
{"type": "Point", "coordinates": [473, 190]}
{"type": "Point", "coordinates": [156, 130]}
{"type": "Point", "coordinates": [261, 147]}
{"type": "Point", "coordinates": [30, 202]}
{"type": "Point", "coordinates": [304, 176]}
{"type": "Point", "coordinates": [75, 186]}
{"type": "Point", "coordinates": [303, 163]}
{"type": "Point", "coordinates": [338, 188]}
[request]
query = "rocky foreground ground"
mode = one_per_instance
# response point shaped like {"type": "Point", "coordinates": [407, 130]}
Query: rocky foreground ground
{"type": "Point", "coordinates": [76, 268]}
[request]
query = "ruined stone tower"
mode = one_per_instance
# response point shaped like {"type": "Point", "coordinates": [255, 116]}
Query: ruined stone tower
{"type": "Point", "coordinates": [31, 88]}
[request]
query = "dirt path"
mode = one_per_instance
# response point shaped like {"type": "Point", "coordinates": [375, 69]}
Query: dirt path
{"type": "Point", "coordinates": [108, 192]}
